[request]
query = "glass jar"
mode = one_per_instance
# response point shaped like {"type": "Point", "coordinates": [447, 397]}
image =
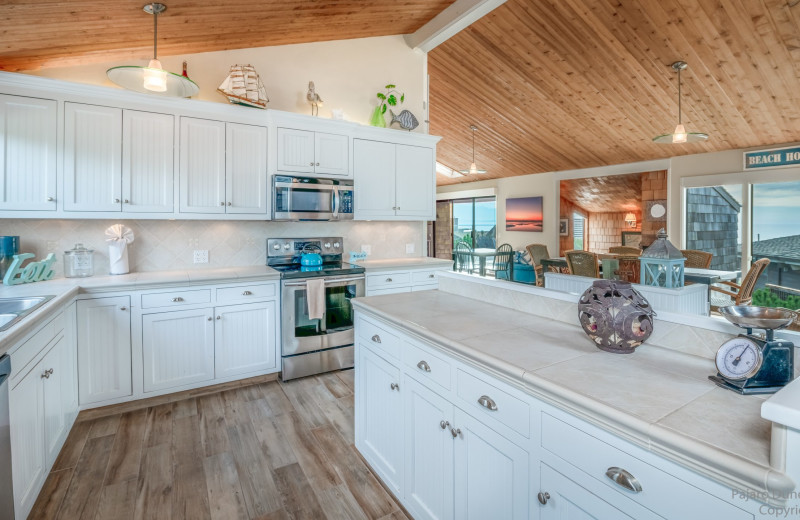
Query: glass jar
{"type": "Point", "coordinates": [78, 262]}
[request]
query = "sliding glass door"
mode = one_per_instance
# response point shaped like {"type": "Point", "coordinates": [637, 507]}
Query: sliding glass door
{"type": "Point", "coordinates": [475, 222]}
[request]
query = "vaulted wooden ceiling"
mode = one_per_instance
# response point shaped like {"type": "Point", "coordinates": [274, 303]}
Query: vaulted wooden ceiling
{"type": "Point", "coordinates": [47, 33]}
{"type": "Point", "coordinates": [562, 84]}
{"type": "Point", "coordinates": [607, 194]}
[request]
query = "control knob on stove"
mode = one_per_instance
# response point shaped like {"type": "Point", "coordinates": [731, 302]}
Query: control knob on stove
{"type": "Point", "coordinates": [276, 247]}
{"type": "Point", "coordinates": [327, 245]}
{"type": "Point", "coordinates": [336, 245]}
{"type": "Point", "coordinates": [286, 246]}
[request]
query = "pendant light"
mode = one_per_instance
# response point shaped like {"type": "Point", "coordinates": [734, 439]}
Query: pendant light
{"type": "Point", "coordinates": [473, 169]}
{"type": "Point", "coordinates": [680, 135]}
{"type": "Point", "coordinates": [153, 79]}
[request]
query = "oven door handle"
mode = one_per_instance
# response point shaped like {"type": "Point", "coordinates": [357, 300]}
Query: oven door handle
{"type": "Point", "coordinates": [335, 202]}
{"type": "Point", "coordinates": [334, 280]}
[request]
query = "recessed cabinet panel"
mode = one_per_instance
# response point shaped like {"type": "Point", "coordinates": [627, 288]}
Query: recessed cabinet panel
{"type": "Point", "coordinates": [373, 177]}
{"type": "Point", "coordinates": [202, 166]}
{"type": "Point", "coordinates": [246, 169]}
{"type": "Point", "coordinates": [245, 338]}
{"type": "Point", "coordinates": [92, 158]}
{"type": "Point", "coordinates": [415, 182]}
{"type": "Point", "coordinates": [27, 153]}
{"type": "Point", "coordinates": [147, 162]}
{"type": "Point", "coordinates": [332, 154]}
{"type": "Point", "coordinates": [57, 380]}
{"type": "Point", "coordinates": [295, 150]}
{"type": "Point", "coordinates": [26, 411]}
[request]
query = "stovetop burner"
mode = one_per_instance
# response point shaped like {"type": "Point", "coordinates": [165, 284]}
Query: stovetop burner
{"type": "Point", "coordinates": [284, 255]}
{"type": "Point", "coordinates": [327, 269]}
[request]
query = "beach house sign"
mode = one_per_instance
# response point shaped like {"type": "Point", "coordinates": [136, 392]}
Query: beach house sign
{"type": "Point", "coordinates": [774, 158]}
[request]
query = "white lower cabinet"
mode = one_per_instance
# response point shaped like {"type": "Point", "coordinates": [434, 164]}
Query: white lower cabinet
{"type": "Point", "coordinates": [26, 412]}
{"type": "Point", "coordinates": [566, 499]}
{"type": "Point", "coordinates": [245, 338]}
{"type": "Point", "coordinates": [395, 281]}
{"type": "Point", "coordinates": [177, 348]}
{"type": "Point", "coordinates": [104, 349]}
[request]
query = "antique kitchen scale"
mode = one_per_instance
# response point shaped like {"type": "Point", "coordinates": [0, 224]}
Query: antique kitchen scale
{"type": "Point", "coordinates": [755, 364]}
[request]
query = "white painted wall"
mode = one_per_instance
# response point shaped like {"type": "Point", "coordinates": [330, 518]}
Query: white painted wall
{"type": "Point", "coordinates": [347, 74]}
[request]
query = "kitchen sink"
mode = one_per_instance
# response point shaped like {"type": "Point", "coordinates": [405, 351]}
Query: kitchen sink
{"type": "Point", "coordinates": [12, 310]}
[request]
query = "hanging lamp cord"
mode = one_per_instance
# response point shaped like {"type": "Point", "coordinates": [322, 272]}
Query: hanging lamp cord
{"type": "Point", "coordinates": [679, 97]}
{"type": "Point", "coordinates": [155, 31]}
{"type": "Point", "coordinates": [473, 147]}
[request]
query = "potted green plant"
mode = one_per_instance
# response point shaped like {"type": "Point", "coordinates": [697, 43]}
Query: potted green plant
{"type": "Point", "coordinates": [387, 99]}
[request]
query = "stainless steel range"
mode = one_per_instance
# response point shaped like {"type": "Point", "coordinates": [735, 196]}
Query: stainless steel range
{"type": "Point", "coordinates": [320, 345]}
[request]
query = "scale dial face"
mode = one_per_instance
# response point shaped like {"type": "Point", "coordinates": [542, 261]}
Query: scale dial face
{"type": "Point", "coordinates": [739, 358]}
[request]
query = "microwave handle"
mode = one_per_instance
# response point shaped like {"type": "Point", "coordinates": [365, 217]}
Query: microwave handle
{"type": "Point", "coordinates": [335, 201]}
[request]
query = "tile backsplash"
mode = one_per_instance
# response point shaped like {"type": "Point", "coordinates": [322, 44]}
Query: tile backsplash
{"type": "Point", "coordinates": [162, 245]}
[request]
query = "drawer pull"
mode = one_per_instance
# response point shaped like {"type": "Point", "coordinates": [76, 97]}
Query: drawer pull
{"type": "Point", "coordinates": [123, 308]}
{"type": "Point", "coordinates": [395, 386]}
{"type": "Point", "coordinates": [444, 424]}
{"type": "Point", "coordinates": [210, 318]}
{"type": "Point", "coordinates": [388, 280]}
{"type": "Point", "coordinates": [624, 479]}
{"type": "Point", "coordinates": [543, 497]}
{"type": "Point", "coordinates": [422, 365]}
{"type": "Point", "coordinates": [376, 338]}
{"type": "Point", "coordinates": [247, 293]}
{"type": "Point", "coordinates": [431, 276]}
{"type": "Point", "coordinates": [487, 402]}
{"type": "Point", "coordinates": [177, 299]}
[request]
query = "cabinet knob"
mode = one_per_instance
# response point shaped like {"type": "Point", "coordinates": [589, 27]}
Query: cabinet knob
{"type": "Point", "coordinates": [431, 276]}
{"type": "Point", "coordinates": [47, 373]}
{"type": "Point", "coordinates": [230, 204]}
{"type": "Point", "coordinates": [311, 164]}
{"type": "Point", "coordinates": [487, 402]}
{"type": "Point", "coordinates": [116, 201]}
{"type": "Point", "coordinates": [444, 424]}
{"type": "Point", "coordinates": [126, 201]}
{"type": "Point", "coordinates": [395, 386]}
{"type": "Point", "coordinates": [543, 497]}
{"type": "Point", "coordinates": [423, 365]}
{"type": "Point", "coordinates": [624, 479]}
{"type": "Point", "coordinates": [177, 299]}
{"type": "Point", "coordinates": [247, 293]}
{"type": "Point", "coordinates": [219, 317]}
{"type": "Point", "coordinates": [388, 279]}
{"type": "Point", "coordinates": [317, 164]}
{"type": "Point", "coordinates": [50, 199]}
{"type": "Point", "coordinates": [210, 318]}
{"type": "Point", "coordinates": [123, 308]}
{"type": "Point", "coordinates": [221, 203]}
{"type": "Point", "coordinates": [455, 432]}
{"type": "Point", "coordinates": [376, 338]}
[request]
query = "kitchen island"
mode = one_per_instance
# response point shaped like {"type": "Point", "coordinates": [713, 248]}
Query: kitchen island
{"type": "Point", "coordinates": [550, 422]}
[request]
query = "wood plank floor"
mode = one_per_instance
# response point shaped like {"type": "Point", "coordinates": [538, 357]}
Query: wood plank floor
{"type": "Point", "coordinates": [267, 451]}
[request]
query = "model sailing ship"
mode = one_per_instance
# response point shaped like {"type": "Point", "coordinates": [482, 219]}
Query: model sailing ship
{"type": "Point", "coordinates": [243, 86]}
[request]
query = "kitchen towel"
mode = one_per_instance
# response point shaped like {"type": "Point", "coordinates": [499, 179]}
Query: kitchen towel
{"type": "Point", "coordinates": [315, 292]}
{"type": "Point", "coordinates": [118, 238]}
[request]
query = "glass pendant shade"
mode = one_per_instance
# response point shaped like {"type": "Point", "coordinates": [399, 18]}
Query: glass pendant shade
{"type": "Point", "coordinates": [473, 168]}
{"type": "Point", "coordinates": [155, 77]}
{"type": "Point", "coordinates": [680, 135]}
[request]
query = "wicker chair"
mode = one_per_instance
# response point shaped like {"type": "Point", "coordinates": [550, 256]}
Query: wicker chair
{"type": "Point", "coordinates": [464, 261]}
{"type": "Point", "coordinates": [629, 269]}
{"type": "Point", "coordinates": [741, 294]}
{"type": "Point", "coordinates": [582, 263]}
{"type": "Point", "coordinates": [538, 252]}
{"type": "Point", "coordinates": [625, 250]}
{"type": "Point", "coordinates": [502, 261]}
{"type": "Point", "coordinates": [698, 259]}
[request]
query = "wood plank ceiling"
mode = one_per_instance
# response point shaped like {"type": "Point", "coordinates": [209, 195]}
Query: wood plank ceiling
{"type": "Point", "coordinates": [39, 33]}
{"type": "Point", "coordinates": [562, 84]}
{"type": "Point", "coordinates": [607, 194]}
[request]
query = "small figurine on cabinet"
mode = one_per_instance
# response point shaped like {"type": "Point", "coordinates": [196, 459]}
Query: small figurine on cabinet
{"type": "Point", "coordinates": [313, 99]}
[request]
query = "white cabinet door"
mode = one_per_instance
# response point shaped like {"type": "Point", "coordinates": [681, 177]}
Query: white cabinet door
{"type": "Point", "coordinates": [104, 349]}
{"type": "Point", "coordinates": [415, 184]}
{"type": "Point", "coordinates": [373, 178]}
{"type": "Point", "coordinates": [26, 414]}
{"type": "Point", "coordinates": [69, 372]}
{"type": "Point", "coordinates": [92, 158]}
{"type": "Point", "coordinates": [178, 348]}
{"type": "Point", "coordinates": [246, 169]}
{"type": "Point", "coordinates": [147, 162]}
{"type": "Point", "coordinates": [569, 500]}
{"type": "Point", "coordinates": [429, 443]}
{"type": "Point", "coordinates": [245, 338]}
{"type": "Point", "coordinates": [382, 419]}
{"type": "Point", "coordinates": [202, 166]}
{"type": "Point", "coordinates": [332, 154]}
{"type": "Point", "coordinates": [295, 151]}
{"type": "Point", "coordinates": [491, 473]}
{"type": "Point", "coordinates": [27, 153]}
{"type": "Point", "coordinates": [55, 413]}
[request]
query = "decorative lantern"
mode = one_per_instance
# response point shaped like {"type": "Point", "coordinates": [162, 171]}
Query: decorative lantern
{"type": "Point", "coordinates": [662, 263]}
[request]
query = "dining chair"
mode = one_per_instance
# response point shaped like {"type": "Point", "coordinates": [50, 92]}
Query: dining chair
{"type": "Point", "coordinates": [538, 252]}
{"type": "Point", "coordinates": [695, 258]}
{"type": "Point", "coordinates": [582, 263]}
{"type": "Point", "coordinates": [625, 250]}
{"type": "Point", "coordinates": [629, 268]}
{"type": "Point", "coordinates": [740, 294]}
{"type": "Point", "coordinates": [502, 261]}
{"type": "Point", "coordinates": [464, 259]}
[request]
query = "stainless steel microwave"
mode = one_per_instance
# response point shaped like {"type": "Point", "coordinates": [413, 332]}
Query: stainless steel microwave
{"type": "Point", "coordinates": [307, 198]}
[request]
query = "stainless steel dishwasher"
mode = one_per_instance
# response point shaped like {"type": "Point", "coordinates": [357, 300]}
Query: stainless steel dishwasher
{"type": "Point", "coordinates": [6, 489]}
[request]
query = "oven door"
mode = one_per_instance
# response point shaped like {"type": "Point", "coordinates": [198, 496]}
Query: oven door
{"type": "Point", "coordinates": [304, 201]}
{"type": "Point", "coordinates": [301, 334]}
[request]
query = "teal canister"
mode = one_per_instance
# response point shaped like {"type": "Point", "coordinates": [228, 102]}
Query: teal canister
{"type": "Point", "coordinates": [9, 246]}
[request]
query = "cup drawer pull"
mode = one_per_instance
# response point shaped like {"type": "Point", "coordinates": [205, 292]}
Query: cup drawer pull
{"type": "Point", "coordinates": [376, 338]}
{"type": "Point", "coordinates": [624, 479]}
{"type": "Point", "coordinates": [177, 299]}
{"type": "Point", "coordinates": [247, 293]}
{"type": "Point", "coordinates": [487, 402]}
{"type": "Point", "coordinates": [423, 365]}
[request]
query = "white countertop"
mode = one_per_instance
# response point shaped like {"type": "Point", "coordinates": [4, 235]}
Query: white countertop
{"type": "Point", "coordinates": [65, 289]}
{"type": "Point", "coordinates": [656, 398]}
{"type": "Point", "coordinates": [419, 262]}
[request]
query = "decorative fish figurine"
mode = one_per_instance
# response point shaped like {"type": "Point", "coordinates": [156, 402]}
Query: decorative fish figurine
{"type": "Point", "coordinates": [405, 119]}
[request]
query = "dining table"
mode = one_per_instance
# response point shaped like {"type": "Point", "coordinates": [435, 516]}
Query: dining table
{"type": "Point", "coordinates": [481, 253]}
{"type": "Point", "coordinates": [709, 276]}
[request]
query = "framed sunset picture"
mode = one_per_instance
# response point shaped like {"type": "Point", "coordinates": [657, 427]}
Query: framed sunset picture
{"type": "Point", "coordinates": [524, 214]}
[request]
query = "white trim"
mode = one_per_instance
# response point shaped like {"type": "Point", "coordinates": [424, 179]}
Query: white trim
{"type": "Point", "coordinates": [467, 194]}
{"type": "Point", "coordinates": [456, 17]}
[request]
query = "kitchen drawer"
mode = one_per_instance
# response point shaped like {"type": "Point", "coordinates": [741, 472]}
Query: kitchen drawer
{"type": "Point", "coordinates": [425, 287]}
{"type": "Point", "coordinates": [246, 293]}
{"type": "Point", "coordinates": [175, 298]}
{"type": "Point", "coordinates": [508, 410]}
{"type": "Point", "coordinates": [378, 336]}
{"type": "Point", "coordinates": [661, 492]}
{"type": "Point", "coordinates": [34, 345]}
{"type": "Point", "coordinates": [426, 276]}
{"type": "Point", "coordinates": [426, 366]}
{"type": "Point", "coordinates": [388, 290]}
{"type": "Point", "coordinates": [393, 279]}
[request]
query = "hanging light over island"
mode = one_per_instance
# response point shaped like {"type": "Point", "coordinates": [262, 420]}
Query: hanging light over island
{"type": "Point", "coordinates": [680, 135]}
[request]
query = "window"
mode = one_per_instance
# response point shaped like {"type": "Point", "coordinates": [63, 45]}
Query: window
{"type": "Point", "coordinates": [578, 226]}
{"type": "Point", "coordinates": [475, 222]}
{"type": "Point", "coordinates": [713, 224]}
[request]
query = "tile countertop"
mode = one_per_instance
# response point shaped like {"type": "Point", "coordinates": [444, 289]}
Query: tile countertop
{"type": "Point", "coordinates": [420, 262]}
{"type": "Point", "coordinates": [666, 404]}
{"type": "Point", "coordinates": [65, 289]}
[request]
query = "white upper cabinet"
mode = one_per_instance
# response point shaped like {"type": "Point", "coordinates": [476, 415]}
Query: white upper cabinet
{"type": "Point", "coordinates": [319, 153]}
{"type": "Point", "coordinates": [246, 169]}
{"type": "Point", "coordinates": [27, 153]}
{"type": "Point", "coordinates": [202, 166]}
{"type": "Point", "coordinates": [92, 158]}
{"type": "Point", "coordinates": [147, 162]}
{"type": "Point", "coordinates": [415, 182]}
{"type": "Point", "coordinates": [373, 179]}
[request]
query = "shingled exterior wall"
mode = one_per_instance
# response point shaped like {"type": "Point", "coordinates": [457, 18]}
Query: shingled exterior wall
{"type": "Point", "coordinates": [444, 230]}
{"type": "Point", "coordinates": [712, 225]}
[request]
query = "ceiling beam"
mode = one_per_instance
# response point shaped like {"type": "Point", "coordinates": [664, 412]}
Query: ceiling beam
{"type": "Point", "coordinates": [458, 16]}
